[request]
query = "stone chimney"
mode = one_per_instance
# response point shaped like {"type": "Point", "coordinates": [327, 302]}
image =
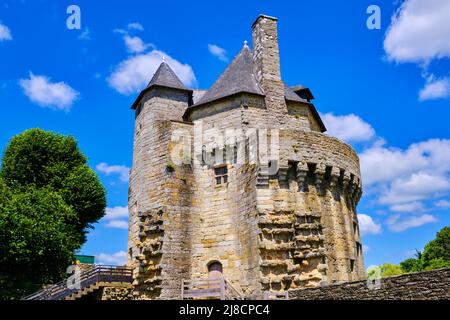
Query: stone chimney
{"type": "Point", "coordinates": [266, 65]}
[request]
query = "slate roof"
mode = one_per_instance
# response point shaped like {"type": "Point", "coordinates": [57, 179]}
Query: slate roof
{"type": "Point", "coordinates": [163, 77]}
{"type": "Point", "coordinates": [291, 95]}
{"type": "Point", "coordinates": [303, 92]}
{"type": "Point", "coordinates": [238, 77]}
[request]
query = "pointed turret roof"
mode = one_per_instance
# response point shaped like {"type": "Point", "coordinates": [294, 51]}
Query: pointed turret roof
{"type": "Point", "coordinates": [237, 78]}
{"type": "Point", "coordinates": [164, 77]}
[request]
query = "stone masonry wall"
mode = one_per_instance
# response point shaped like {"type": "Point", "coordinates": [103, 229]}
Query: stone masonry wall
{"type": "Point", "coordinates": [116, 293]}
{"type": "Point", "coordinates": [159, 200]}
{"type": "Point", "coordinates": [428, 285]}
{"type": "Point", "coordinates": [266, 60]}
{"type": "Point", "coordinates": [271, 231]}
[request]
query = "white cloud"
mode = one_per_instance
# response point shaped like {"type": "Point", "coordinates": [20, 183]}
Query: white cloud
{"type": "Point", "coordinates": [435, 89]}
{"type": "Point", "coordinates": [118, 258]}
{"type": "Point", "coordinates": [135, 44]}
{"type": "Point", "coordinates": [419, 31]}
{"type": "Point", "coordinates": [218, 52]}
{"type": "Point", "coordinates": [383, 164]}
{"type": "Point", "coordinates": [135, 26]}
{"type": "Point", "coordinates": [349, 128]}
{"type": "Point", "coordinates": [397, 224]}
{"type": "Point", "coordinates": [442, 204]}
{"type": "Point", "coordinates": [367, 225]}
{"type": "Point", "coordinates": [55, 95]}
{"type": "Point", "coordinates": [5, 33]}
{"type": "Point", "coordinates": [365, 248]}
{"type": "Point", "coordinates": [408, 207]}
{"type": "Point", "coordinates": [117, 224]}
{"type": "Point", "coordinates": [134, 73]}
{"type": "Point", "coordinates": [122, 171]}
{"type": "Point", "coordinates": [116, 213]}
{"type": "Point", "coordinates": [418, 186]}
{"type": "Point", "coordinates": [115, 217]}
{"type": "Point", "coordinates": [85, 35]}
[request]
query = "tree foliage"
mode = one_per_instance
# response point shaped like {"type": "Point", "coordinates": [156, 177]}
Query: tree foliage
{"type": "Point", "coordinates": [49, 197]}
{"type": "Point", "coordinates": [435, 255]}
{"type": "Point", "coordinates": [387, 270]}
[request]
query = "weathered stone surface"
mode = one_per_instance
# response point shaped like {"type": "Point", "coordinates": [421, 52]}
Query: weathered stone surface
{"type": "Point", "coordinates": [116, 293]}
{"type": "Point", "coordinates": [271, 231]}
{"type": "Point", "coordinates": [429, 285]}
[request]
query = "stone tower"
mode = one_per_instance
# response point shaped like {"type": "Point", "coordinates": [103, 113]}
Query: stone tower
{"type": "Point", "coordinates": [240, 181]}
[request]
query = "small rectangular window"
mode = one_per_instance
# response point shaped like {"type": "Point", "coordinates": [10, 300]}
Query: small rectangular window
{"type": "Point", "coordinates": [221, 174]}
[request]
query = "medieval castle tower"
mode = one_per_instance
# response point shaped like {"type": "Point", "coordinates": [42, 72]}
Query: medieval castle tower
{"type": "Point", "coordinates": [240, 181]}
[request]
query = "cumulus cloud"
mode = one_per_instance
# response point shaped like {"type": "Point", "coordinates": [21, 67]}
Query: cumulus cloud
{"type": "Point", "coordinates": [419, 31]}
{"type": "Point", "coordinates": [408, 207]}
{"type": "Point", "coordinates": [218, 52]}
{"type": "Point", "coordinates": [442, 204]}
{"type": "Point", "coordinates": [134, 73]}
{"type": "Point", "coordinates": [427, 156]}
{"type": "Point", "coordinates": [117, 212]}
{"type": "Point", "coordinates": [122, 171]}
{"type": "Point", "coordinates": [116, 217]}
{"type": "Point", "coordinates": [435, 89]}
{"type": "Point", "coordinates": [417, 186]}
{"type": "Point", "coordinates": [5, 33]}
{"type": "Point", "coordinates": [398, 223]}
{"type": "Point", "coordinates": [55, 95]}
{"type": "Point", "coordinates": [367, 225]}
{"type": "Point", "coordinates": [350, 128]}
{"type": "Point", "coordinates": [117, 224]}
{"type": "Point", "coordinates": [135, 26]}
{"type": "Point", "coordinates": [118, 258]}
{"type": "Point", "coordinates": [135, 44]}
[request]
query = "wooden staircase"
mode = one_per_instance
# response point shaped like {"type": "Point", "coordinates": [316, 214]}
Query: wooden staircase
{"type": "Point", "coordinates": [90, 280]}
{"type": "Point", "coordinates": [204, 289]}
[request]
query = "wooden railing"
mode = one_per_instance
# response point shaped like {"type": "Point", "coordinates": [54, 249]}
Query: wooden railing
{"type": "Point", "coordinates": [218, 288]}
{"type": "Point", "coordinates": [88, 277]}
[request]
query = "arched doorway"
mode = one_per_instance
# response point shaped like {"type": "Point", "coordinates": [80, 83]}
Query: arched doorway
{"type": "Point", "coordinates": [215, 270]}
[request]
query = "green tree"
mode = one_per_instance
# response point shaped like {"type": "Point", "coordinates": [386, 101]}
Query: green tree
{"type": "Point", "coordinates": [389, 270]}
{"type": "Point", "coordinates": [39, 158]}
{"type": "Point", "coordinates": [439, 248]}
{"type": "Point", "coordinates": [435, 255]}
{"type": "Point", "coordinates": [36, 242]}
{"type": "Point", "coordinates": [412, 265]}
{"type": "Point", "coordinates": [49, 197]}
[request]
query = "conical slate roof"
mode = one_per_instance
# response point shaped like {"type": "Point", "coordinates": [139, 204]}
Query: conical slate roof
{"type": "Point", "coordinates": [238, 77]}
{"type": "Point", "coordinates": [165, 77]}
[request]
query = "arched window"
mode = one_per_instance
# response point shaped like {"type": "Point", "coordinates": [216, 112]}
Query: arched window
{"type": "Point", "coordinates": [215, 270]}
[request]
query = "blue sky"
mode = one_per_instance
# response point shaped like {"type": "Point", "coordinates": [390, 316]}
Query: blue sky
{"type": "Point", "coordinates": [384, 91]}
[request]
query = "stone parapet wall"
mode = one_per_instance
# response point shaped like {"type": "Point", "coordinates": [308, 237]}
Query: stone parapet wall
{"type": "Point", "coordinates": [428, 285]}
